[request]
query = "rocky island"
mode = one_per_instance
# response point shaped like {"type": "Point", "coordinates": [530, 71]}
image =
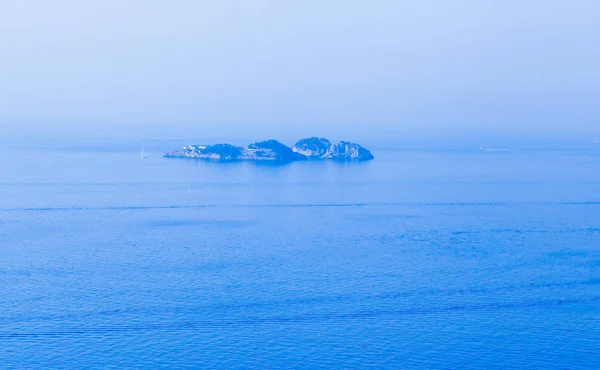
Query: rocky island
{"type": "Point", "coordinates": [273, 150]}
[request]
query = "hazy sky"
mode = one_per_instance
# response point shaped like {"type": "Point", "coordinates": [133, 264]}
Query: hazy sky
{"type": "Point", "coordinates": [420, 64]}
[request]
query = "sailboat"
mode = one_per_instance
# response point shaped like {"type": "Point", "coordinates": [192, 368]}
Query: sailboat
{"type": "Point", "coordinates": [143, 154]}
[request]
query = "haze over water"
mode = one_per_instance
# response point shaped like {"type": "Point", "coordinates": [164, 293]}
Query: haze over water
{"type": "Point", "coordinates": [471, 241]}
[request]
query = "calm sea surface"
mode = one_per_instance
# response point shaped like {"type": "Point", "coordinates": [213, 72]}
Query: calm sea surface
{"type": "Point", "coordinates": [418, 259]}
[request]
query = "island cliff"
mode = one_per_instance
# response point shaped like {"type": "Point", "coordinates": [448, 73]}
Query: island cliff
{"type": "Point", "coordinates": [273, 150]}
{"type": "Point", "coordinates": [321, 148]}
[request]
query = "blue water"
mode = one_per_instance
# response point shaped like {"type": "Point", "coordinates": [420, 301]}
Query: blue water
{"type": "Point", "coordinates": [419, 259]}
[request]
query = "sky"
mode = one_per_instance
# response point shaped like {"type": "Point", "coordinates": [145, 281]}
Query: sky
{"type": "Point", "coordinates": [429, 65]}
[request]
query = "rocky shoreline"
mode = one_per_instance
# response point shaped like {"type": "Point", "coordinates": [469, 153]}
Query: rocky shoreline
{"type": "Point", "coordinates": [272, 150]}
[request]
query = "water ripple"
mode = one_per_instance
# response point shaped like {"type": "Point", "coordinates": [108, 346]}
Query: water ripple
{"type": "Point", "coordinates": [208, 325]}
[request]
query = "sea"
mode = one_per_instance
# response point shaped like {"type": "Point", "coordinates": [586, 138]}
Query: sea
{"type": "Point", "coordinates": [435, 255]}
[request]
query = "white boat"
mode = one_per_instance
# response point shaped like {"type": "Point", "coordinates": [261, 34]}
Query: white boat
{"type": "Point", "coordinates": [143, 154]}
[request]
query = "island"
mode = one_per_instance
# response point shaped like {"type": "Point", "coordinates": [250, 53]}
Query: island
{"type": "Point", "coordinates": [313, 148]}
